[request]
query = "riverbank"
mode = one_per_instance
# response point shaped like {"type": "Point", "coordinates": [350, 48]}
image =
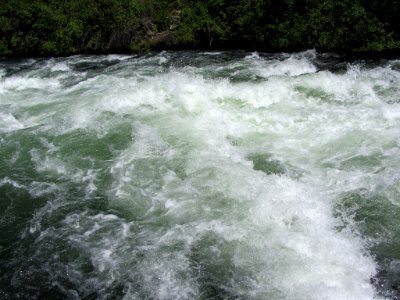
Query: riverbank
{"type": "Point", "coordinates": [62, 28]}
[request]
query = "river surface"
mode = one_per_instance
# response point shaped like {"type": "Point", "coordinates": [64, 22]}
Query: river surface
{"type": "Point", "coordinates": [186, 175]}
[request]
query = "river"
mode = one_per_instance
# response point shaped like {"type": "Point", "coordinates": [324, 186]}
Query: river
{"type": "Point", "coordinates": [200, 175]}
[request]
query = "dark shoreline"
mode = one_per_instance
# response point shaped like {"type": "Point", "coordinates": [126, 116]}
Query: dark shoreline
{"type": "Point", "coordinates": [340, 55]}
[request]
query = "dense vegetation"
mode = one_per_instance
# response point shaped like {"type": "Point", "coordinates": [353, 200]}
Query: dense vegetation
{"type": "Point", "coordinates": [62, 27]}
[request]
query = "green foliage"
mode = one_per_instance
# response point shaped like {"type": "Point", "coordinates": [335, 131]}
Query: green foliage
{"type": "Point", "coordinates": [63, 27]}
{"type": "Point", "coordinates": [203, 23]}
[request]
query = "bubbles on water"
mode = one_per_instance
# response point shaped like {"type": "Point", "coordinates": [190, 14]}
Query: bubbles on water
{"type": "Point", "coordinates": [183, 175]}
{"type": "Point", "coordinates": [22, 83]}
{"type": "Point", "coordinates": [9, 123]}
{"type": "Point", "coordinates": [63, 67]}
{"type": "Point", "coordinates": [252, 56]}
{"type": "Point", "coordinates": [9, 181]}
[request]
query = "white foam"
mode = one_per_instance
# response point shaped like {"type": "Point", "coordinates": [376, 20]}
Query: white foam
{"type": "Point", "coordinates": [294, 65]}
{"type": "Point", "coordinates": [9, 123]}
{"type": "Point", "coordinates": [60, 67]}
{"type": "Point", "coordinates": [46, 163]}
{"type": "Point", "coordinates": [252, 56]}
{"type": "Point", "coordinates": [187, 175]}
{"type": "Point", "coordinates": [288, 67]}
{"type": "Point", "coordinates": [39, 189]}
{"type": "Point", "coordinates": [9, 181]}
{"type": "Point", "coordinates": [216, 53]}
{"type": "Point", "coordinates": [280, 212]}
{"type": "Point", "coordinates": [16, 83]}
{"type": "Point", "coordinates": [118, 57]}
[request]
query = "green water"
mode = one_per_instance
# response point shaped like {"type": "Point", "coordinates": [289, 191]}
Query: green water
{"type": "Point", "coordinates": [185, 175]}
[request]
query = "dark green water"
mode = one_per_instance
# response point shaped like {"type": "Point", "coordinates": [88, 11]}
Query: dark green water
{"type": "Point", "coordinates": [199, 176]}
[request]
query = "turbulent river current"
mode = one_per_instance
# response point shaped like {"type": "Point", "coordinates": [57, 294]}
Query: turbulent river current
{"type": "Point", "coordinates": [195, 175]}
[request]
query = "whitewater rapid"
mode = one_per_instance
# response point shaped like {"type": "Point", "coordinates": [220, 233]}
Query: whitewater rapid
{"type": "Point", "coordinates": [185, 175]}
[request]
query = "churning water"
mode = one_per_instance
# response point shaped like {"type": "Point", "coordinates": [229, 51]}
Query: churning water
{"type": "Point", "coordinates": [200, 176]}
